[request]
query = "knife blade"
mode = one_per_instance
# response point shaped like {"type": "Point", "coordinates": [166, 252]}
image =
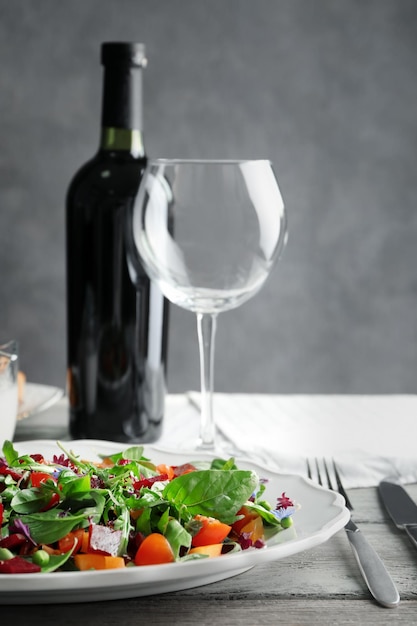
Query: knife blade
{"type": "Point", "coordinates": [401, 508]}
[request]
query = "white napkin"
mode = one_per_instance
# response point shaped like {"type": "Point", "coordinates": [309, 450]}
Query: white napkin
{"type": "Point", "coordinates": [370, 437]}
{"type": "Point", "coordinates": [181, 423]}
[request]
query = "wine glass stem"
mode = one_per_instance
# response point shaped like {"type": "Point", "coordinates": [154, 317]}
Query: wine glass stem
{"type": "Point", "coordinates": [206, 327]}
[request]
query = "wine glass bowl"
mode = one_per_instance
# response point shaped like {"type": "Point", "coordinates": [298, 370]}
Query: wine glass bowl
{"type": "Point", "coordinates": [208, 232]}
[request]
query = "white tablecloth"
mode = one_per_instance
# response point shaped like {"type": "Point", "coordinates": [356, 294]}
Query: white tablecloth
{"type": "Point", "coordinates": [371, 437]}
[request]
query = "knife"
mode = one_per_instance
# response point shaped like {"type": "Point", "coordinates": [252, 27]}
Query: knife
{"type": "Point", "coordinates": [402, 509]}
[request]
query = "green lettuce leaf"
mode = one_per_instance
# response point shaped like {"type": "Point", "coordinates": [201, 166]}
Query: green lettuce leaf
{"type": "Point", "coordinates": [50, 526]}
{"type": "Point", "coordinates": [215, 493]}
{"type": "Point", "coordinates": [177, 536]}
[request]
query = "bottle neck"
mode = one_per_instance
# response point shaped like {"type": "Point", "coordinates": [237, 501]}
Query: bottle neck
{"type": "Point", "coordinates": [121, 117]}
{"type": "Point", "coordinates": [123, 140]}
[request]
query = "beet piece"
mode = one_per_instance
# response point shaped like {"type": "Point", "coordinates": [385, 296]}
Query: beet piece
{"type": "Point", "coordinates": [148, 482]}
{"type": "Point", "coordinates": [37, 457]}
{"type": "Point", "coordinates": [12, 541]}
{"type": "Point", "coordinates": [7, 471]}
{"type": "Point", "coordinates": [17, 565]}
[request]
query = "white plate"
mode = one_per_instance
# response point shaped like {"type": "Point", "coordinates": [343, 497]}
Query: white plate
{"type": "Point", "coordinates": [38, 398]}
{"type": "Point", "coordinates": [322, 514]}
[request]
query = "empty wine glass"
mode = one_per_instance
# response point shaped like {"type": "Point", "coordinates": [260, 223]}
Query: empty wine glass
{"type": "Point", "coordinates": [208, 232]}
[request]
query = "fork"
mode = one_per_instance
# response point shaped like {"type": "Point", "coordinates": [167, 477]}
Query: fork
{"type": "Point", "coordinates": [373, 570]}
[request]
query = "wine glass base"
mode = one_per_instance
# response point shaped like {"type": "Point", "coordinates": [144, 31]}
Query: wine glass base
{"type": "Point", "coordinates": [217, 449]}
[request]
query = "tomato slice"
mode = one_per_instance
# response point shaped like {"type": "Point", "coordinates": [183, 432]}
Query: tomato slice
{"type": "Point", "coordinates": [248, 516]}
{"type": "Point", "coordinates": [67, 543]}
{"type": "Point", "coordinates": [37, 479]}
{"type": "Point", "coordinates": [212, 531]}
{"type": "Point", "coordinates": [154, 550]}
{"type": "Point", "coordinates": [185, 468]}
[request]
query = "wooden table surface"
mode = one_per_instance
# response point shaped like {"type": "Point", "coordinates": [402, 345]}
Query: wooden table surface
{"type": "Point", "coordinates": [312, 587]}
{"type": "Point", "coordinates": [321, 585]}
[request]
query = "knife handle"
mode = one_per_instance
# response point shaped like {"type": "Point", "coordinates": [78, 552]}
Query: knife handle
{"type": "Point", "coordinates": [411, 530]}
{"type": "Point", "coordinates": [373, 570]}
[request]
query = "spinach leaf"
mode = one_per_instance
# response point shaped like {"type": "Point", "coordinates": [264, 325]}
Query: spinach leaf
{"type": "Point", "coordinates": [223, 465]}
{"type": "Point", "coordinates": [215, 493]}
{"type": "Point", "coordinates": [52, 525]}
{"type": "Point", "coordinates": [10, 454]}
{"type": "Point", "coordinates": [143, 523]}
{"type": "Point", "coordinates": [147, 500]}
{"type": "Point", "coordinates": [163, 522]}
{"type": "Point", "coordinates": [8, 492]}
{"type": "Point", "coordinates": [134, 453]}
{"type": "Point", "coordinates": [75, 484]}
{"type": "Point", "coordinates": [266, 515]}
{"type": "Point", "coordinates": [30, 500]}
{"type": "Point", "coordinates": [89, 505]}
{"type": "Point", "coordinates": [177, 536]}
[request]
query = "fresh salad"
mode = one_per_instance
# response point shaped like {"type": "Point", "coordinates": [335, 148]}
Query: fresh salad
{"type": "Point", "coordinates": [68, 513]}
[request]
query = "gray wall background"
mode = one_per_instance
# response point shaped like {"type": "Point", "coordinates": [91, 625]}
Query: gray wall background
{"type": "Point", "coordinates": [327, 89]}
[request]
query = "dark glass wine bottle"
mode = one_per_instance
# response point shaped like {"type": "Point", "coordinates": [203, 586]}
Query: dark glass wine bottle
{"type": "Point", "coordinates": [116, 319]}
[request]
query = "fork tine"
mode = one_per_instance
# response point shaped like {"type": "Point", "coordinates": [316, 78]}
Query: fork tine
{"type": "Point", "coordinates": [329, 480]}
{"type": "Point", "coordinates": [313, 470]}
{"type": "Point", "coordinates": [319, 480]}
{"type": "Point", "coordinates": [317, 476]}
{"type": "Point", "coordinates": [340, 486]}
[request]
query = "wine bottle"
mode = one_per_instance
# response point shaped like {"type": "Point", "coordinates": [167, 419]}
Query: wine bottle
{"type": "Point", "coordinates": [116, 320]}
